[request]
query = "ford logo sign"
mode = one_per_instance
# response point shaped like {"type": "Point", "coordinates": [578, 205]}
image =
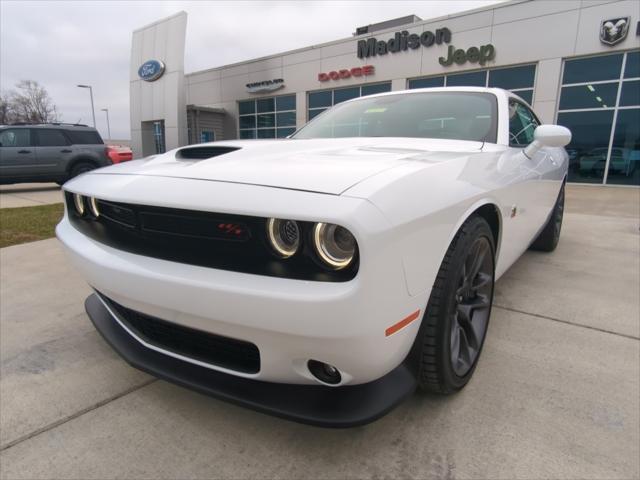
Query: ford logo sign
{"type": "Point", "coordinates": [151, 70]}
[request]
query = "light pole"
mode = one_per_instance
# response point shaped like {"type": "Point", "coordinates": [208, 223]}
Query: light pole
{"type": "Point", "coordinates": [93, 112]}
{"type": "Point", "coordinates": [106, 110]}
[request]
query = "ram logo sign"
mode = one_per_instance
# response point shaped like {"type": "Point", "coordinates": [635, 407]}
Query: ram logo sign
{"type": "Point", "coordinates": [614, 30]}
{"type": "Point", "coordinates": [151, 70]}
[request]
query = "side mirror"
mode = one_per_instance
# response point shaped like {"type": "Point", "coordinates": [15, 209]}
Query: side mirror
{"type": "Point", "coordinates": [548, 136]}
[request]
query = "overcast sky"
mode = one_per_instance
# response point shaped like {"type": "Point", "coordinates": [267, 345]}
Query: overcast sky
{"type": "Point", "coordinates": [61, 44]}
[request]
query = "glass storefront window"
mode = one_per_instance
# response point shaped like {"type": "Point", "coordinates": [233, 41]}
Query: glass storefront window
{"type": "Point", "coordinates": [246, 107]}
{"type": "Point", "coordinates": [262, 117]}
{"type": "Point", "coordinates": [632, 68]}
{"type": "Point", "coordinates": [526, 95]}
{"type": "Point", "coordinates": [319, 101]}
{"type": "Point", "coordinates": [376, 88]}
{"type": "Point", "coordinates": [592, 69]}
{"type": "Point", "coordinates": [590, 132]}
{"type": "Point", "coordinates": [471, 79]}
{"type": "Point", "coordinates": [286, 119]}
{"type": "Point", "coordinates": [600, 95]}
{"type": "Point", "coordinates": [265, 105]}
{"type": "Point", "coordinates": [426, 82]}
{"type": "Point", "coordinates": [512, 78]}
{"type": "Point", "coordinates": [284, 132]}
{"type": "Point", "coordinates": [518, 79]}
{"type": "Point", "coordinates": [267, 133]}
{"type": "Point", "coordinates": [630, 94]}
{"type": "Point", "coordinates": [316, 112]}
{"type": "Point", "coordinates": [266, 120]}
{"type": "Point", "coordinates": [624, 165]}
{"type": "Point", "coordinates": [342, 94]}
{"type": "Point", "coordinates": [595, 99]}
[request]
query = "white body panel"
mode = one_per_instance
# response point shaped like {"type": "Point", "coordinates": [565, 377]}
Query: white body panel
{"type": "Point", "coordinates": [403, 200]}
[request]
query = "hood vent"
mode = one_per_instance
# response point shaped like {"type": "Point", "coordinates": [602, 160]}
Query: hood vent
{"type": "Point", "coordinates": [202, 153]}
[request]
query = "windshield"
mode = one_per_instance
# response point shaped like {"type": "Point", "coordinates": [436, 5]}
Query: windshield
{"type": "Point", "coordinates": [451, 115]}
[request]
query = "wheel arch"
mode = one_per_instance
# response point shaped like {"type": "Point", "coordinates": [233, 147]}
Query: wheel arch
{"type": "Point", "coordinates": [83, 159]}
{"type": "Point", "coordinates": [490, 212]}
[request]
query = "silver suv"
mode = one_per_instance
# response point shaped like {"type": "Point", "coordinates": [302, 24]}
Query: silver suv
{"type": "Point", "coordinates": [52, 152]}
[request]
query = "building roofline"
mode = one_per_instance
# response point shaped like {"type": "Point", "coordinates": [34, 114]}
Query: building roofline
{"type": "Point", "coordinates": [162, 20]}
{"type": "Point", "coordinates": [502, 4]}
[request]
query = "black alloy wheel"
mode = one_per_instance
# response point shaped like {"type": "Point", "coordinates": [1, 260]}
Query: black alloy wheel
{"type": "Point", "coordinates": [473, 304]}
{"type": "Point", "coordinates": [454, 326]}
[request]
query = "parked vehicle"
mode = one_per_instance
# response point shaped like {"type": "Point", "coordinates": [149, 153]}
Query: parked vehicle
{"type": "Point", "coordinates": [623, 161]}
{"type": "Point", "coordinates": [53, 152]}
{"type": "Point", "coordinates": [119, 153]}
{"type": "Point", "coordinates": [324, 277]}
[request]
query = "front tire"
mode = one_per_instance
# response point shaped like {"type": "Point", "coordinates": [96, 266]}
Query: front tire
{"type": "Point", "coordinates": [455, 322]}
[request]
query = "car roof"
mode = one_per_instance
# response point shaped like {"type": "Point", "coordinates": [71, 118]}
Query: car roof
{"type": "Point", "coordinates": [500, 92]}
{"type": "Point", "coordinates": [59, 126]}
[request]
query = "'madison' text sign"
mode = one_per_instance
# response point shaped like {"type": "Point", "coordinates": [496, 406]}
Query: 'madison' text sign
{"type": "Point", "coordinates": [402, 41]}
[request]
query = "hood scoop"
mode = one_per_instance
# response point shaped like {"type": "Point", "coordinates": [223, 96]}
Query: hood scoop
{"type": "Point", "coordinates": [203, 153]}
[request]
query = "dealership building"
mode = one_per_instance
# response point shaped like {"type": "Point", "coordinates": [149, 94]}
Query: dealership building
{"type": "Point", "coordinates": [577, 62]}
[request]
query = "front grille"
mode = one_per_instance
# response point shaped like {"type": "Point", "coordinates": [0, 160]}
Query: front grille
{"type": "Point", "coordinates": [208, 239]}
{"type": "Point", "coordinates": [206, 347]}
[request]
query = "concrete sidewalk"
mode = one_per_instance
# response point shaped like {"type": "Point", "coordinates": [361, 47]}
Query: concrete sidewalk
{"type": "Point", "coordinates": [556, 393]}
{"type": "Point", "coordinates": [29, 194]}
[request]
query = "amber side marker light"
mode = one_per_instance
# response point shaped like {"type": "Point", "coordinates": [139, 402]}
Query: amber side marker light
{"type": "Point", "coordinates": [401, 324]}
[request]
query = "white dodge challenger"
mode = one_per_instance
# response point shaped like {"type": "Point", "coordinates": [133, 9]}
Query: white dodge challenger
{"type": "Point", "coordinates": [326, 276]}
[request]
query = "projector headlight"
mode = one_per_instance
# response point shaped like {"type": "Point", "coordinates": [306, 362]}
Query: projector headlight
{"type": "Point", "coordinates": [284, 236]}
{"type": "Point", "coordinates": [335, 245]}
{"type": "Point", "coordinates": [78, 202]}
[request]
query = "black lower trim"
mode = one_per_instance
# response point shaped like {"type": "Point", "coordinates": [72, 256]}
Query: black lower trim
{"type": "Point", "coordinates": [338, 407]}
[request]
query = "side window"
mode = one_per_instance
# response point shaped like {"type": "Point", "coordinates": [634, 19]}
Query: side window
{"type": "Point", "coordinates": [19, 137]}
{"type": "Point", "coordinates": [522, 123]}
{"type": "Point", "coordinates": [51, 138]}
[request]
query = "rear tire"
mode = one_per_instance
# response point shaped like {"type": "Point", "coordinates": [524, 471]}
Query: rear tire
{"type": "Point", "coordinates": [455, 322]}
{"type": "Point", "coordinates": [549, 237]}
{"type": "Point", "coordinates": [80, 168]}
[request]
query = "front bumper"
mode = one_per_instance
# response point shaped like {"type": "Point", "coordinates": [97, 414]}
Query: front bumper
{"type": "Point", "coordinates": [290, 321]}
{"type": "Point", "coordinates": [341, 407]}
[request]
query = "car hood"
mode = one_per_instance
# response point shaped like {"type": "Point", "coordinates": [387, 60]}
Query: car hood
{"type": "Point", "coordinates": [329, 166]}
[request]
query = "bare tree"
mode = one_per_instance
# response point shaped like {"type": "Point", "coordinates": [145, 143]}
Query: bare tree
{"type": "Point", "coordinates": [6, 113]}
{"type": "Point", "coordinates": [30, 102]}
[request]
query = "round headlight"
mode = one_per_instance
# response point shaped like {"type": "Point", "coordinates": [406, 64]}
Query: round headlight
{"type": "Point", "coordinates": [335, 245]}
{"type": "Point", "coordinates": [284, 236]}
{"type": "Point", "coordinates": [78, 201]}
{"type": "Point", "coordinates": [93, 206]}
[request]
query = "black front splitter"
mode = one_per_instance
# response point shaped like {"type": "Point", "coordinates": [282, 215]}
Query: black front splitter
{"type": "Point", "coordinates": [338, 407]}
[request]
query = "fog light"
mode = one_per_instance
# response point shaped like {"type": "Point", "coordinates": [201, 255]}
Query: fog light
{"type": "Point", "coordinates": [78, 201]}
{"type": "Point", "coordinates": [324, 372]}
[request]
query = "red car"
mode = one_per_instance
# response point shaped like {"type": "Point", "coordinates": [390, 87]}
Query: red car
{"type": "Point", "coordinates": [119, 153]}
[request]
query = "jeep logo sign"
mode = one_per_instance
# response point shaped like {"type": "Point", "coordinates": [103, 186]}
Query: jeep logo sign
{"type": "Point", "coordinates": [473, 55]}
{"type": "Point", "coordinates": [151, 70]}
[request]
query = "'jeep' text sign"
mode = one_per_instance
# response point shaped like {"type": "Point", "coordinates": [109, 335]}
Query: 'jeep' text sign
{"type": "Point", "coordinates": [473, 55]}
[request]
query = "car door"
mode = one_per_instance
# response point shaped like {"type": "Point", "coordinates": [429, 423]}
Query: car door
{"type": "Point", "coordinates": [54, 151]}
{"type": "Point", "coordinates": [17, 154]}
{"type": "Point", "coordinates": [540, 172]}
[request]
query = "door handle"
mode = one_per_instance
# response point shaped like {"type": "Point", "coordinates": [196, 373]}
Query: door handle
{"type": "Point", "coordinates": [24, 151]}
{"type": "Point", "coordinates": [66, 150]}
